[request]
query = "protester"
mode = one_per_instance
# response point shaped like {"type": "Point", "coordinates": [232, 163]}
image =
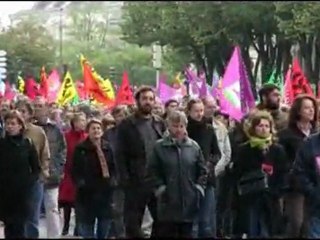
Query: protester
{"type": "Point", "coordinates": [177, 173]}
{"type": "Point", "coordinates": [57, 147]}
{"type": "Point", "coordinates": [67, 190]}
{"type": "Point", "coordinates": [303, 121]}
{"type": "Point", "coordinates": [259, 171]}
{"type": "Point", "coordinates": [117, 230]}
{"type": "Point", "coordinates": [169, 106]}
{"type": "Point", "coordinates": [19, 170]}
{"type": "Point", "coordinates": [204, 134]}
{"type": "Point", "coordinates": [39, 138]}
{"type": "Point", "coordinates": [136, 137]}
{"type": "Point", "coordinates": [93, 172]}
{"type": "Point", "coordinates": [270, 98]}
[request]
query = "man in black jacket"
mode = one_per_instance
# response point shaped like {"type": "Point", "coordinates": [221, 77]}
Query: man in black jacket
{"type": "Point", "coordinates": [135, 141]}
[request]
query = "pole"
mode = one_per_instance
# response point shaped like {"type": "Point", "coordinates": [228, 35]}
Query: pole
{"type": "Point", "coordinates": [157, 78]}
{"type": "Point", "coordinates": [60, 39]}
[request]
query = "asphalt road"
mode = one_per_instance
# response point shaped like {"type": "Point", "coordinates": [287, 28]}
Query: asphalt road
{"type": "Point", "coordinates": [43, 230]}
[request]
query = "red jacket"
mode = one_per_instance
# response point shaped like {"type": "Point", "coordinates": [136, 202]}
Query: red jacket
{"type": "Point", "coordinates": [67, 190]}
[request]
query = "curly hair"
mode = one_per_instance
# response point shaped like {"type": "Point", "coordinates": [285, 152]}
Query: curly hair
{"type": "Point", "coordinates": [255, 120]}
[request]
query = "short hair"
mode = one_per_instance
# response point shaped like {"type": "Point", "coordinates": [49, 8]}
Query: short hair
{"type": "Point", "coordinates": [120, 109]}
{"type": "Point", "coordinates": [27, 104]}
{"type": "Point", "coordinates": [143, 89]}
{"type": "Point", "coordinates": [108, 120]}
{"type": "Point", "coordinates": [93, 121]}
{"type": "Point", "coordinates": [75, 117]}
{"type": "Point", "coordinates": [170, 101]}
{"type": "Point", "coordinates": [192, 102]}
{"type": "Point", "coordinates": [177, 117]}
{"type": "Point", "coordinates": [255, 120]}
{"type": "Point", "coordinates": [14, 114]}
{"type": "Point", "coordinates": [267, 89]}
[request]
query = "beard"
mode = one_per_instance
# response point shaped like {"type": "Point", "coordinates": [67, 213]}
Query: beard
{"type": "Point", "coordinates": [272, 105]}
{"type": "Point", "coordinates": [145, 109]}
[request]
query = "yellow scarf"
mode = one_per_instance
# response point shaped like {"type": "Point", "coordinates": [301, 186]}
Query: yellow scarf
{"type": "Point", "coordinates": [261, 143]}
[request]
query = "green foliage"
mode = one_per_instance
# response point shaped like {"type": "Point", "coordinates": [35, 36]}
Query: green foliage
{"type": "Point", "coordinates": [29, 46]}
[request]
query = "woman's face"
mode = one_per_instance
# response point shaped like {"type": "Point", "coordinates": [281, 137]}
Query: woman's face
{"type": "Point", "coordinates": [95, 131]}
{"type": "Point", "coordinates": [263, 129]}
{"type": "Point", "coordinates": [80, 123]}
{"type": "Point", "coordinates": [307, 110]}
{"type": "Point", "coordinates": [13, 127]}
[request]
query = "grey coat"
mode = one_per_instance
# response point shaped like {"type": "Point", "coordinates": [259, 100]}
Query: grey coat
{"type": "Point", "coordinates": [176, 172]}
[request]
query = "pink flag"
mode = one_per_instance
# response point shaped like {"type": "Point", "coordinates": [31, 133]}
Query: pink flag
{"type": "Point", "coordinates": [166, 92]}
{"type": "Point", "coordinates": [32, 88]}
{"type": "Point", "coordinates": [203, 91]}
{"type": "Point", "coordinates": [9, 94]}
{"type": "Point", "coordinates": [236, 98]}
{"type": "Point", "coordinates": [54, 85]}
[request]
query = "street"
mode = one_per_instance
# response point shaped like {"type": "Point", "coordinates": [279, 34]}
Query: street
{"type": "Point", "coordinates": [43, 231]}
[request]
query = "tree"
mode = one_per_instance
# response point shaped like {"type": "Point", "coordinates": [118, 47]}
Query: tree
{"type": "Point", "coordinates": [29, 46]}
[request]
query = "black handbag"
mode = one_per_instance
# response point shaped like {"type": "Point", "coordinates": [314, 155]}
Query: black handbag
{"type": "Point", "coordinates": [252, 182]}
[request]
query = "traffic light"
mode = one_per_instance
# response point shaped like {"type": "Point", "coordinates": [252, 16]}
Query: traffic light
{"type": "Point", "coordinates": [3, 65]}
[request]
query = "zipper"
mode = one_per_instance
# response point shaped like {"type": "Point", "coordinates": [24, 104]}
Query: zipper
{"type": "Point", "coordinates": [180, 169]}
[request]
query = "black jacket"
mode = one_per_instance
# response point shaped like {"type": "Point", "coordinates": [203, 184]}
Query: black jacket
{"type": "Point", "coordinates": [307, 169]}
{"type": "Point", "coordinates": [204, 134]}
{"type": "Point", "coordinates": [93, 191]}
{"type": "Point", "coordinates": [130, 152]}
{"type": "Point", "coordinates": [291, 139]}
{"type": "Point", "coordinates": [19, 169]}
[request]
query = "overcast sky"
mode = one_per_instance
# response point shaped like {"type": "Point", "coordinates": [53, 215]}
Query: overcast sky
{"type": "Point", "coordinates": [7, 8]}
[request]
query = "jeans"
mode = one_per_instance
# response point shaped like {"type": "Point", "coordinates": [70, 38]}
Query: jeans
{"type": "Point", "coordinates": [35, 201]}
{"type": "Point", "coordinates": [205, 224]}
{"type": "Point", "coordinates": [52, 212]}
{"type": "Point", "coordinates": [257, 226]}
{"type": "Point", "coordinates": [314, 228]}
{"type": "Point", "coordinates": [86, 230]}
{"type": "Point", "coordinates": [117, 227]}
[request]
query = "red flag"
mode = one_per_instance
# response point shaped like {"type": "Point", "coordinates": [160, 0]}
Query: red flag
{"type": "Point", "coordinates": [287, 90]}
{"type": "Point", "coordinates": [300, 84]}
{"type": "Point", "coordinates": [44, 84]}
{"type": "Point", "coordinates": [92, 87]}
{"type": "Point", "coordinates": [9, 94]}
{"type": "Point", "coordinates": [125, 94]}
{"type": "Point", "coordinates": [31, 88]}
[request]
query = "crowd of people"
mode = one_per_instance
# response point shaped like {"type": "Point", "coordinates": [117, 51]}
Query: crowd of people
{"type": "Point", "coordinates": [195, 171]}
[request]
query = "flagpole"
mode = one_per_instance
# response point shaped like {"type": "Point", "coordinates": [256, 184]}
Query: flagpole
{"type": "Point", "coordinates": [61, 39]}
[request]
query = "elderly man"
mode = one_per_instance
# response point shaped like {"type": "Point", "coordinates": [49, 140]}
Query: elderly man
{"type": "Point", "coordinates": [223, 189]}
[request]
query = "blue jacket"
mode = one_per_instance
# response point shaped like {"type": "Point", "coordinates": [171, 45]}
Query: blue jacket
{"type": "Point", "coordinates": [307, 170]}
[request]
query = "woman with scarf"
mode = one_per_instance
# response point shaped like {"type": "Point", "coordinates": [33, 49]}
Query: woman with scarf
{"type": "Point", "coordinates": [67, 191]}
{"type": "Point", "coordinates": [93, 172]}
{"type": "Point", "coordinates": [259, 172]}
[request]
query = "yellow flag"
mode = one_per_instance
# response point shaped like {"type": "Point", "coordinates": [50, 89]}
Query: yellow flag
{"type": "Point", "coordinates": [67, 90]}
{"type": "Point", "coordinates": [21, 84]}
{"type": "Point", "coordinates": [177, 79]}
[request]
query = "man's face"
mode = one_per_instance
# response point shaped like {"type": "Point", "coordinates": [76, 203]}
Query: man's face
{"type": "Point", "coordinates": [273, 100]}
{"type": "Point", "coordinates": [25, 113]}
{"type": "Point", "coordinates": [40, 108]}
{"type": "Point", "coordinates": [177, 130]}
{"type": "Point", "coordinates": [210, 107]}
{"type": "Point", "coordinates": [173, 106]}
{"type": "Point", "coordinates": [157, 109]}
{"type": "Point", "coordinates": [146, 102]}
{"type": "Point", "coordinates": [5, 107]}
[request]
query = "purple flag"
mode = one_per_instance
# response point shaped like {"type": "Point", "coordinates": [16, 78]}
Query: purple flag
{"type": "Point", "coordinates": [166, 92]}
{"type": "Point", "coordinates": [236, 97]}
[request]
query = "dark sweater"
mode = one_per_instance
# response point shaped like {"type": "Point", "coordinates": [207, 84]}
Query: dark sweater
{"type": "Point", "coordinates": [204, 134]}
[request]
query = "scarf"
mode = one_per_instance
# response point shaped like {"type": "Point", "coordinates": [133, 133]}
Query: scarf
{"type": "Point", "coordinates": [261, 143]}
{"type": "Point", "coordinates": [103, 161]}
